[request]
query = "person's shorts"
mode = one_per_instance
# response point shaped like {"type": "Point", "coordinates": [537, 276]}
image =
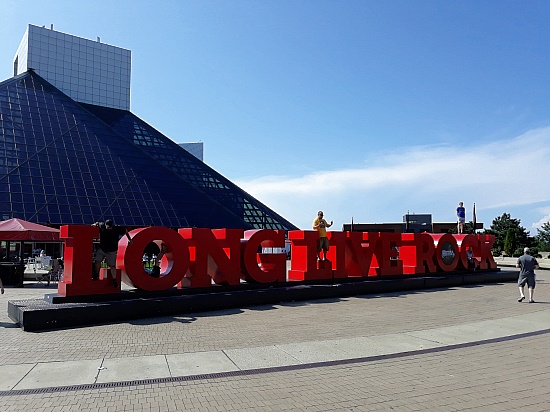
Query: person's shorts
{"type": "Point", "coordinates": [322, 243]}
{"type": "Point", "coordinates": [110, 257]}
{"type": "Point", "coordinates": [461, 220]}
{"type": "Point", "coordinates": [530, 280]}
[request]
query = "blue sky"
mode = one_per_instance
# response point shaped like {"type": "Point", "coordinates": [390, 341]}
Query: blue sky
{"type": "Point", "coordinates": [365, 109]}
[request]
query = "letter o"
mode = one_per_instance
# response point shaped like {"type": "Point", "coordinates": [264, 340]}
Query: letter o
{"type": "Point", "coordinates": [129, 258]}
{"type": "Point", "coordinates": [447, 253]}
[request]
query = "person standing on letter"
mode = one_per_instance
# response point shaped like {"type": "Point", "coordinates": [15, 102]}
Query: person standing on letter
{"type": "Point", "coordinates": [320, 225]}
{"type": "Point", "coordinates": [461, 215]}
{"type": "Point", "coordinates": [109, 235]}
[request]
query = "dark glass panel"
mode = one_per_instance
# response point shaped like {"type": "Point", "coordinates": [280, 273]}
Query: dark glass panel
{"type": "Point", "coordinates": [66, 217]}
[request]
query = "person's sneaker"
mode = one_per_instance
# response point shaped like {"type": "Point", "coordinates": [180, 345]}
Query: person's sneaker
{"type": "Point", "coordinates": [155, 272]}
{"type": "Point", "coordinates": [521, 299]}
{"type": "Point", "coordinates": [531, 301]}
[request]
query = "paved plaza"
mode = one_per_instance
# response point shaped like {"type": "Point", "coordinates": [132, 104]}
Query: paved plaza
{"type": "Point", "coordinates": [453, 349]}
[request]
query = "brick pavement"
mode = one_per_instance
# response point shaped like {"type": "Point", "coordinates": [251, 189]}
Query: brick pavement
{"type": "Point", "coordinates": [485, 377]}
{"type": "Point", "coordinates": [258, 326]}
{"type": "Point", "coordinates": [498, 377]}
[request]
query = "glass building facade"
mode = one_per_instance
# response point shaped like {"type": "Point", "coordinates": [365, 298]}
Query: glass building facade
{"type": "Point", "coordinates": [71, 152]}
{"type": "Point", "coordinates": [66, 162]}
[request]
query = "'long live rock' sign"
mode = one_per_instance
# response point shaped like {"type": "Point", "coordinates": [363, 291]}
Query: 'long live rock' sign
{"type": "Point", "coordinates": [198, 257]}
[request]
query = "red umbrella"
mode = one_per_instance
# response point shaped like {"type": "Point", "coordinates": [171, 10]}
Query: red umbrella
{"type": "Point", "coordinates": [21, 230]}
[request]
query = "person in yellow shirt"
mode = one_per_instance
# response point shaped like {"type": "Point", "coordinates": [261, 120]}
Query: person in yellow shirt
{"type": "Point", "coordinates": [320, 225]}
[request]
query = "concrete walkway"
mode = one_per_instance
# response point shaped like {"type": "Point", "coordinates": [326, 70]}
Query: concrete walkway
{"type": "Point", "coordinates": [510, 262]}
{"type": "Point", "coordinates": [311, 339]}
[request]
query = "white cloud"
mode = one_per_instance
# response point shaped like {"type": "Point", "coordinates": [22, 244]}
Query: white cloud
{"type": "Point", "coordinates": [545, 219]}
{"type": "Point", "coordinates": [538, 225]}
{"type": "Point", "coordinates": [495, 175]}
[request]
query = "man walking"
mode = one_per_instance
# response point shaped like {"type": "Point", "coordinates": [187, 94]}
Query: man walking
{"type": "Point", "coordinates": [527, 264]}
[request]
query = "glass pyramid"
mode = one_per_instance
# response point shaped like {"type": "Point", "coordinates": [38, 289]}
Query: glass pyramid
{"type": "Point", "coordinates": [65, 162]}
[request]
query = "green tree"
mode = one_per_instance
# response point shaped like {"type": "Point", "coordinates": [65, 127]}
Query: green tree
{"type": "Point", "coordinates": [510, 242]}
{"type": "Point", "coordinates": [468, 228]}
{"type": "Point", "coordinates": [543, 237]}
{"type": "Point", "coordinates": [500, 227]}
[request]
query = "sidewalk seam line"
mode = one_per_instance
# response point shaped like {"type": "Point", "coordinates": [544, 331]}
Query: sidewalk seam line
{"type": "Point", "coordinates": [27, 374]}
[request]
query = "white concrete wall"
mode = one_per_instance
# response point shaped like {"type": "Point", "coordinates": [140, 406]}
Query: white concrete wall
{"type": "Point", "coordinates": [87, 71]}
